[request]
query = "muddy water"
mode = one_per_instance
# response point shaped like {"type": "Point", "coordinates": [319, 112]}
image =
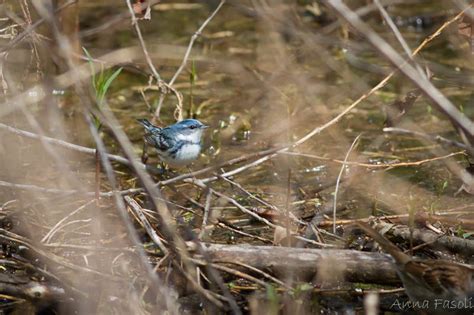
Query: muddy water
{"type": "Point", "coordinates": [262, 74]}
{"type": "Point", "coordinates": [267, 76]}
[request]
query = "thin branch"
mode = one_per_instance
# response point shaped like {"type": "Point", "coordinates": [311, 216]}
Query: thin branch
{"type": "Point", "coordinates": [142, 42]}
{"type": "Point", "coordinates": [191, 42]}
{"type": "Point", "coordinates": [57, 226]}
{"type": "Point", "coordinates": [336, 190]}
{"type": "Point", "coordinates": [207, 210]}
{"type": "Point", "coordinates": [227, 227]}
{"type": "Point", "coordinates": [378, 166]}
{"type": "Point", "coordinates": [263, 202]}
{"type": "Point", "coordinates": [10, 236]}
{"type": "Point", "coordinates": [40, 189]}
{"type": "Point", "coordinates": [201, 184]}
{"type": "Point", "coordinates": [266, 275]}
{"type": "Point", "coordinates": [146, 224]}
{"type": "Point", "coordinates": [71, 146]}
{"type": "Point", "coordinates": [32, 27]}
{"type": "Point", "coordinates": [231, 271]}
{"type": "Point", "coordinates": [394, 28]}
{"type": "Point", "coordinates": [436, 138]}
{"type": "Point", "coordinates": [185, 59]}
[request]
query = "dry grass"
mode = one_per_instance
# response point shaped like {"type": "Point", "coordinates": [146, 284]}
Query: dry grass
{"type": "Point", "coordinates": [286, 88]}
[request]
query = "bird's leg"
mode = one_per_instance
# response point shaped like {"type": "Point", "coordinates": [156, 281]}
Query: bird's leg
{"type": "Point", "coordinates": [144, 153]}
{"type": "Point", "coordinates": [163, 169]}
{"type": "Point", "coordinates": [167, 170]}
{"type": "Point", "coordinates": [190, 170]}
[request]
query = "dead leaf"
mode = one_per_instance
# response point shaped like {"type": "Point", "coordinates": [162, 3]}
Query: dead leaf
{"type": "Point", "coordinates": [279, 235]}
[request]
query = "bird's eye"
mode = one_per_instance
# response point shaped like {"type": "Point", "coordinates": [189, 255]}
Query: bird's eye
{"type": "Point", "coordinates": [192, 127]}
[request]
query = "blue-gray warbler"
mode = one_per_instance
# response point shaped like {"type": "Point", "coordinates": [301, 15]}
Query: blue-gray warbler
{"type": "Point", "coordinates": [177, 144]}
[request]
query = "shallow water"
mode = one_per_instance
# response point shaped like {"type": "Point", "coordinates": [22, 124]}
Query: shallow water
{"type": "Point", "coordinates": [266, 75]}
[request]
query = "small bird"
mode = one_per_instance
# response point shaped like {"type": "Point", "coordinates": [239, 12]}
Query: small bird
{"type": "Point", "coordinates": [178, 144]}
{"type": "Point", "coordinates": [437, 286]}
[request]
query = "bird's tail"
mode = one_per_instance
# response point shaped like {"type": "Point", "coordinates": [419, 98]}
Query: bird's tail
{"type": "Point", "coordinates": [145, 123]}
{"type": "Point", "coordinates": [399, 256]}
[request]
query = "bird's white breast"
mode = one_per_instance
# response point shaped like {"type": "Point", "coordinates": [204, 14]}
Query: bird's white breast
{"type": "Point", "coordinates": [187, 154]}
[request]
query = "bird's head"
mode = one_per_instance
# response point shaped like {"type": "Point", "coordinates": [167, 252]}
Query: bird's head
{"type": "Point", "coordinates": [189, 129]}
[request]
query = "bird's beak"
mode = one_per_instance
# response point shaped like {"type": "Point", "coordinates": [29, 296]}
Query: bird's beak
{"type": "Point", "coordinates": [204, 127]}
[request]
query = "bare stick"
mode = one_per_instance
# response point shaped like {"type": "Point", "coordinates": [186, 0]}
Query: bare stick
{"type": "Point", "coordinates": [339, 180]}
{"type": "Point", "coordinates": [142, 42]}
{"type": "Point", "coordinates": [161, 84]}
{"type": "Point", "coordinates": [150, 231]}
{"type": "Point", "coordinates": [41, 189]}
{"type": "Point", "coordinates": [399, 37]}
{"type": "Point", "coordinates": [58, 225]}
{"type": "Point", "coordinates": [378, 166]}
{"type": "Point", "coordinates": [191, 42]}
{"type": "Point", "coordinates": [207, 209]}
{"type": "Point", "coordinates": [61, 143]}
{"type": "Point", "coordinates": [263, 202]}
{"type": "Point", "coordinates": [74, 147]}
{"type": "Point", "coordinates": [393, 27]}
{"type": "Point", "coordinates": [225, 226]}
{"type": "Point", "coordinates": [97, 177]}
{"type": "Point", "coordinates": [231, 271]}
{"type": "Point", "coordinates": [31, 27]}
{"type": "Point", "coordinates": [287, 207]}
{"type": "Point", "coordinates": [266, 275]}
{"type": "Point", "coordinates": [10, 236]}
{"type": "Point", "coordinates": [199, 183]}
{"type": "Point", "coordinates": [362, 11]}
{"type": "Point", "coordinates": [186, 56]}
{"type": "Point", "coordinates": [436, 138]}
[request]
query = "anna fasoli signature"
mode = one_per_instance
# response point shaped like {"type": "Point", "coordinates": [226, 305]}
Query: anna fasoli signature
{"type": "Point", "coordinates": [457, 304]}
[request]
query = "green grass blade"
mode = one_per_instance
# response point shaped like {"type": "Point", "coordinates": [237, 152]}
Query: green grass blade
{"type": "Point", "coordinates": [105, 84]}
{"type": "Point", "coordinates": [110, 79]}
{"type": "Point", "coordinates": [91, 65]}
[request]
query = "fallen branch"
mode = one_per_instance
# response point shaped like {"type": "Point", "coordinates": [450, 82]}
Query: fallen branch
{"type": "Point", "coordinates": [453, 243]}
{"type": "Point", "coordinates": [358, 266]}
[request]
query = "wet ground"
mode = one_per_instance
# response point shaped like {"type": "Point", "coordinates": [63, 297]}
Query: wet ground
{"type": "Point", "coordinates": [261, 75]}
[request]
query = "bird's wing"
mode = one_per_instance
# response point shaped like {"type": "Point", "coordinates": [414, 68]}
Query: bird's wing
{"type": "Point", "coordinates": [153, 137]}
{"type": "Point", "coordinates": [165, 140]}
